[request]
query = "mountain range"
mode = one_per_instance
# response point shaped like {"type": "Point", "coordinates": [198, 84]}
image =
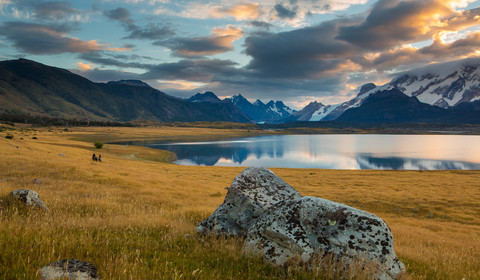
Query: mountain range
{"type": "Point", "coordinates": [28, 87]}
{"type": "Point", "coordinates": [448, 92]}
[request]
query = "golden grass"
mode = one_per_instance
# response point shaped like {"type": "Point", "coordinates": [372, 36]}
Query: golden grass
{"type": "Point", "coordinates": [129, 214]}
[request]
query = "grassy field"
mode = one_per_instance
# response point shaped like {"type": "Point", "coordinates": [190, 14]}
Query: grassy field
{"type": "Point", "coordinates": [134, 215]}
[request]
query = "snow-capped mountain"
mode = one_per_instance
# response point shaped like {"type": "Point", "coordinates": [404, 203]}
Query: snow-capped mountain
{"type": "Point", "coordinates": [444, 85]}
{"type": "Point", "coordinates": [261, 112]}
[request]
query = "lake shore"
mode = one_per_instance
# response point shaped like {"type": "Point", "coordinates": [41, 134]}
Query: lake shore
{"type": "Point", "coordinates": [129, 214]}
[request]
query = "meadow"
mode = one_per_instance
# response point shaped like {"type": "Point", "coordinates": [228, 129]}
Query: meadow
{"type": "Point", "coordinates": [134, 215]}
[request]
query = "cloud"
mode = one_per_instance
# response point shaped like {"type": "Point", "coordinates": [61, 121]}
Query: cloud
{"type": "Point", "coordinates": [220, 41]}
{"type": "Point", "coordinates": [310, 52]}
{"type": "Point", "coordinates": [198, 70]}
{"type": "Point", "coordinates": [261, 24]}
{"type": "Point", "coordinates": [241, 11]}
{"type": "Point", "coordinates": [49, 39]}
{"type": "Point", "coordinates": [84, 66]}
{"type": "Point", "coordinates": [394, 22]}
{"type": "Point", "coordinates": [284, 13]}
{"type": "Point", "coordinates": [149, 32]}
{"type": "Point", "coordinates": [47, 10]}
{"type": "Point", "coordinates": [118, 60]}
{"type": "Point", "coordinates": [44, 39]}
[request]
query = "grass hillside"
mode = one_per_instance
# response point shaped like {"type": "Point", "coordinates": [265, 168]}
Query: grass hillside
{"type": "Point", "coordinates": [134, 215]}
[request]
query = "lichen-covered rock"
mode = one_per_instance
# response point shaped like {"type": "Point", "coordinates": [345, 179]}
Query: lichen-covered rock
{"type": "Point", "coordinates": [252, 192]}
{"type": "Point", "coordinates": [29, 198]}
{"type": "Point", "coordinates": [313, 227]}
{"type": "Point", "coordinates": [70, 269]}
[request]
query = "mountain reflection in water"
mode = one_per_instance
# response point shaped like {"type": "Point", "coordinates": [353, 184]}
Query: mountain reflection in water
{"type": "Point", "coordinates": [398, 152]}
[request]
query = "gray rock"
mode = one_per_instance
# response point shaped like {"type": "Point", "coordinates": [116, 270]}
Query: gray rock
{"type": "Point", "coordinates": [283, 227]}
{"type": "Point", "coordinates": [313, 227]}
{"type": "Point", "coordinates": [252, 192]}
{"type": "Point", "coordinates": [70, 269]}
{"type": "Point", "coordinates": [37, 181]}
{"type": "Point", "coordinates": [29, 198]}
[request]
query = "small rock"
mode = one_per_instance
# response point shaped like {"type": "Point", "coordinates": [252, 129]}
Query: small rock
{"type": "Point", "coordinates": [37, 181]}
{"type": "Point", "coordinates": [29, 198]}
{"type": "Point", "coordinates": [71, 269]}
{"type": "Point", "coordinates": [62, 155]}
{"type": "Point", "coordinates": [252, 192]}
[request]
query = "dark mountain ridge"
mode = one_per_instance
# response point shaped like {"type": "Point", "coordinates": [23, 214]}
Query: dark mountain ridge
{"type": "Point", "coordinates": [28, 87]}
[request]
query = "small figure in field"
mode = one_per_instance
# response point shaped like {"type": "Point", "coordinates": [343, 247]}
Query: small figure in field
{"type": "Point", "coordinates": [100, 158]}
{"type": "Point", "coordinates": [94, 157]}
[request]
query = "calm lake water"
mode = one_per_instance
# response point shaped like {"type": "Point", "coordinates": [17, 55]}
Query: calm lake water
{"type": "Point", "coordinates": [409, 152]}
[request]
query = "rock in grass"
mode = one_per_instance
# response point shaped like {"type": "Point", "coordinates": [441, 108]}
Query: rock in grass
{"type": "Point", "coordinates": [252, 192]}
{"type": "Point", "coordinates": [37, 181]}
{"type": "Point", "coordinates": [312, 227]}
{"type": "Point", "coordinates": [28, 197]}
{"type": "Point", "coordinates": [70, 269]}
{"type": "Point", "coordinates": [283, 227]}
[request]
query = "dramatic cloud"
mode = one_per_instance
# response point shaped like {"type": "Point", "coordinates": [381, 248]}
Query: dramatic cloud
{"type": "Point", "coordinates": [49, 39]}
{"type": "Point", "coordinates": [43, 39]}
{"type": "Point", "coordinates": [394, 22]}
{"type": "Point", "coordinates": [149, 32]}
{"type": "Point", "coordinates": [220, 41]}
{"type": "Point", "coordinates": [310, 52]}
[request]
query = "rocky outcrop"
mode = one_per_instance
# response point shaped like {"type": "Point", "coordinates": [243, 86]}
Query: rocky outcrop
{"type": "Point", "coordinates": [252, 192]}
{"type": "Point", "coordinates": [29, 198]}
{"type": "Point", "coordinates": [70, 269]}
{"type": "Point", "coordinates": [283, 227]}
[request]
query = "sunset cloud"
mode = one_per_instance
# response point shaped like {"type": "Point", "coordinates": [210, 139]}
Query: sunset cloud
{"type": "Point", "coordinates": [84, 66]}
{"type": "Point", "coordinates": [220, 41]}
{"type": "Point", "coordinates": [243, 11]}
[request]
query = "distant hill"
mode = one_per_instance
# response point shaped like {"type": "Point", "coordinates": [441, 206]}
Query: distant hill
{"type": "Point", "coordinates": [205, 97]}
{"type": "Point", "coordinates": [28, 87]}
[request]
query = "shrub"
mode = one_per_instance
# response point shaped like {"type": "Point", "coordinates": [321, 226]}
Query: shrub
{"type": "Point", "coordinates": [9, 136]}
{"type": "Point", "coordinates": [98, 145]}
{"type": "Point", "coordinates": [34, 137]}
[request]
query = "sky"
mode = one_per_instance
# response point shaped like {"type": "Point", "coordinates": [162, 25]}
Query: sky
{"type": "Point", "coordinates": [297, 51]}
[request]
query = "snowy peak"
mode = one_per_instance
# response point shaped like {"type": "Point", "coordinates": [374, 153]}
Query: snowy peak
{"type": "Point", "coordinates": [444, 85]}
{"type": "Point", "coordinates": [261, 112]}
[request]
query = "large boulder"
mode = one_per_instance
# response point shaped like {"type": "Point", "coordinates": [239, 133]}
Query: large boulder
{"type": "Point", "coordinates": [28, 198]}
{"type": "Point", "coordinates": [252, 192]}
{"type": "Point", "coordinates": [313, 227]}
{"type": "Point", "coordinates": [283, 227]}
{"type": "Point", "coordinates": [70, 269]}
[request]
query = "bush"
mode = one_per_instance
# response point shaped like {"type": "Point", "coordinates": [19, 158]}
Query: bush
{"type": "Point", "coordinates": [34, 137]}
{"type": "Point", "coordinates": [9, 136]}
{"type": "Point", "coordinates": [98, 145]}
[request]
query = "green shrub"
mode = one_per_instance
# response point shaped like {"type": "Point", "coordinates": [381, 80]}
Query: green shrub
{"type": "Point", "coordinates": [98, 145]}
{"type": "Point", "coordinates": [9, 136]}
{"type": "Point", "coordinates": [34, 137]}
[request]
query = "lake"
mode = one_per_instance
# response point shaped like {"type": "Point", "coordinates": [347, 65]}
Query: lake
{"type": "Point", "coordinates": [349, 151]}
